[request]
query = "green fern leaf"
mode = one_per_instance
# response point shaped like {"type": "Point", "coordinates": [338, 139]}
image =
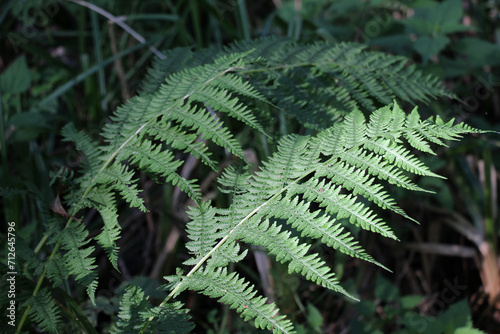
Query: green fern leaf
{"type": "Point", "coordinates": [360, 183]}
{"type": "Point", "coordinates": [117, 177]}
{"type": "Point", "coordinates": [169, 318]}
{"type": "Point", "coordinates": [77, 258]}
{"type": "Point", "coordinates": [343, 206]}
{"type": "Point", "coordinates": [110, 233]}
{"type": "Point", "coordinates": [203, 230]}
{"type": "Point", "coordinates": [319, 82]}
{"type": "Point", "coordinates": [316, 170]}
{"type": "Point", "coordinates": [85, 145]}
{"type": "Point", "coordinates": [377, 166]}
{"type": "Point", "coordinates": [133, 303]}
{"type": "Point", "coordinates": [399, 156]}
{"type": "Point", "coordinates": [234, 291]}
{"type": "Point", "coordinates": [57, 270]}
{"type": "Point", "coordinates": [45, 312]}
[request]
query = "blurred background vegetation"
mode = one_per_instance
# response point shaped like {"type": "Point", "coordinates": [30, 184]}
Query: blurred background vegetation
{"type": "Point", "coordinates": [76, 61]}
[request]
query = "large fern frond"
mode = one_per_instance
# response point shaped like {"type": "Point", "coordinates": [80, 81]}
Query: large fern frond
{"type": "Point", "coordinates": [308, 170]}
{"type": "Point", "coordinates": [181, 106]}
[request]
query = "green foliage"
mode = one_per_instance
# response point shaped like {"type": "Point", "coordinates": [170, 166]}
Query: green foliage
{"type": "Point", "coordinates": [311, 184]}
{"type": "Point", "coordinates": [17, 78]}
{"type": "Point", "coordinates": [401, 312]}
{"type": "Point", "coordinates": [432, 23]}
{"type": "Point", "coordinates": [45, 312]}
{"type": "Point", "coordinates": [318, 187]}
{"type": "Point", "coordinates": [135, 311]}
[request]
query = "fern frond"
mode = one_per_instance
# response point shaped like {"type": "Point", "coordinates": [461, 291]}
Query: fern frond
{"type": "Point", "coordinates": [343, 206]}
{"type": "Point", "coordinates": [77, 257]}
{"type": "Point", "coordinates": [331, 170]}
{"type": "Point", "coordinates": [28, 258]}
{"type": "Point", "coordinates": [229, 252]}
{"type": "Point", "coordinates": [240, 295]}
{"type": "Point", "coordinates": [222, 98]}
{"type": "Point", "coordinates": [152, 158]}
{"type": "Point", "coordinates": [110, 233]}
{"type": "Point", "coordinates": [175, 60]}
{"type": "Point", "coordinates": [57, 270]}
{"type": "Point", "coordinates": [360, 183]}
{"type": "Point", "coordinates": [85, 145]}
{"type": "Point", "coordinates": [203, 230]}
{"type": "Point", "coordinates": [45, 312]}
{"type": "Point", "coordinates": [377, 166]}
{"type": "Point", "coordinates": [122, 182]}
{"type": "Point", "coordinates": [208, 127]}
{"type": "Point", "coordinates": [400, 157]}
{"type": "Point", "coordinates": [233, 181]}
{"type": "Point", "coordinates": [169, 318]}
{"type": "Point", "coordinates": [131, 305]}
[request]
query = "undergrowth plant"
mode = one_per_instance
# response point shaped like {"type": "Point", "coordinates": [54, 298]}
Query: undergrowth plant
{"type": "Point", "coordinates": [357, 144]}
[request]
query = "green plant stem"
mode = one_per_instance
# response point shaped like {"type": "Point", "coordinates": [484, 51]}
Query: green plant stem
{"type": "Point", "coordinates": [152, 17]}
{"type": "Point", "coordinates": [243, 19]}
{"type": "Point", "coordinates": [119, 22]}
{"type": "Point", "coordinates": [195, 16]}
{"type": "Point", "coordinates": [98, 53]}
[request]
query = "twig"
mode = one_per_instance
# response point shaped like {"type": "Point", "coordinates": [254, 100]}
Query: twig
{"type": "Point", "coordinates": [119, 22]}
{"type": "Point", "coordinates": [118, 63]}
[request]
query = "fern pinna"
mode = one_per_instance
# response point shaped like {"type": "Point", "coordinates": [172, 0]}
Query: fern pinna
{"type": "Point", "coordinates": [312, 184]}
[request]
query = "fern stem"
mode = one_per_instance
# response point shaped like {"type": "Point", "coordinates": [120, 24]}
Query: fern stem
{"type": "Point", "coordinates": [23, 319]}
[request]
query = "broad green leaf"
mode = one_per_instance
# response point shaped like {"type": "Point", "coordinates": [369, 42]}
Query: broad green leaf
{"type": "Point", "coordinates": [17, 78]}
